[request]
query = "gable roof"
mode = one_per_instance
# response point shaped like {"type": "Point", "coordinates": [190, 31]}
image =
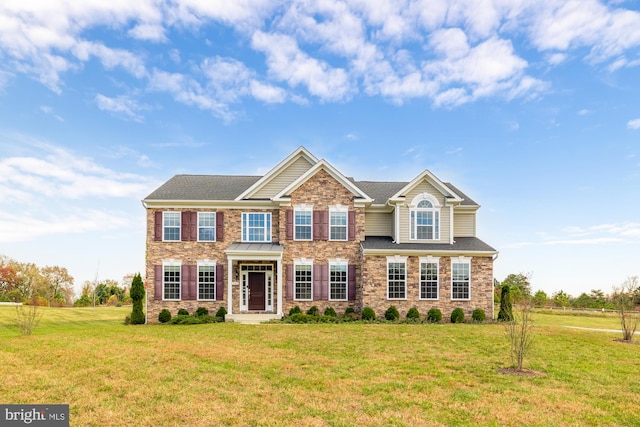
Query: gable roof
{"type": "Point", "coordinates": [433, 180]}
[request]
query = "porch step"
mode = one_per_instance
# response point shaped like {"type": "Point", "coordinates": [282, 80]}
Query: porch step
{"type": "Point", "coordinates": [251, 318]}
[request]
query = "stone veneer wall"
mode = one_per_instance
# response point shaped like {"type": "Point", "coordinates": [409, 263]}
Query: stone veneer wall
{"type": "Point", "coordinates": [322, 191]}
{"type": "Point", "coordinates": [375, 287]}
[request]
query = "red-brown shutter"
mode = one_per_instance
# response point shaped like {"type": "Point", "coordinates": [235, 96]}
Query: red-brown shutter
{"type": "Point", "coordinates": [351, 288]}
{"type": "Point", "coordinates": [317, 282]}
{"type": "Point", "coordinates": [352, 225]}
{"type": "Point", "coordinates": [157, 280]}
{"type": "Point", "coordinates": [320, 225]}
{"type": "Point", "coordinates": [157, 226]}
{"type": "Point", "coordinates": [289, 273]}
{"type": "Point", "coordinates": [188, 285]}
{"type": "Point", "coordinates": [325, 225]}
{"type": "Point", "coordinates": [289, 224]}
{"type": "Point", "coordinates": [219, 226]}
{"type": "Point", "coordinates": [324, 282]}
{"type": "Point", "coordinates": [219, 282]}
{"type": "Point", "coordinates": [189, 226]}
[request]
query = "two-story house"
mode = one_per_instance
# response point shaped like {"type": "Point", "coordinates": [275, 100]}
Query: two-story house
{"type": "Point", "coordinates": [304, 234]}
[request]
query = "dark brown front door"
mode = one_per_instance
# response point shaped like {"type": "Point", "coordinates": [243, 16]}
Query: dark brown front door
{"type": "Point", "coordinates": [256, 291]}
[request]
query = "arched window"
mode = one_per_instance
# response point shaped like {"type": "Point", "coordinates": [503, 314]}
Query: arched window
{"type": "Point", "coordinates": [425, 218]}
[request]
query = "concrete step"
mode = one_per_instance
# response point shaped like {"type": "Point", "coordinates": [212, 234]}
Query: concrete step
{"type": "Point", "coordinates": [251, 318]}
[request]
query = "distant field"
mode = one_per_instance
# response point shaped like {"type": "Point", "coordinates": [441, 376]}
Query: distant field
{"type": "Point", "coordinates": [317, 375]}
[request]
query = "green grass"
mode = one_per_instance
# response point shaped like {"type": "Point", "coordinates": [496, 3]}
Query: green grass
{"type": "Point", "coordinates": [317, 375]}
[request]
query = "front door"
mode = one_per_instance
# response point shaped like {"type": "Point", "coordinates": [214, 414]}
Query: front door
{"type": "Point", "coordinates": [256, 291]}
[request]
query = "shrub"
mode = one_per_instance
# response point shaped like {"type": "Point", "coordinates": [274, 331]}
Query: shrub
{"type": "Point", "coordinates": [434, 315]}
{"type": "Point", "coordinates": [183, 312]}
{"type": "Point", "coordinates": [221, 313]}
{"type": "Point", "coordinates": [506, 308]}
{"type": "Point", "coordinates": [164, 316]}
{"type": "Point", "coordinates": [368, 314]}
{"type": "Point", "coordinates": [457, 315]}
{"type": "Point", "coordinates": [192, 320]}
{"type": "Point", "coordinates": [348, 311]}
{"type": "Point", "coordinates": [113, 300]}
{"type": "Point", "coordinates": [329, 311]}
{"type": "Point", "coordinates": [413, 314]}
{"type": "Point", "coordinates": [478, 315]}
{"type": "Point", "coordinates": [201, 311]}
{"type": "Point", "coordinates": [127, 319]}
{"type": "Point", "coordinates": [313, 311]}
{"type": "Point", "coordinates": [295, 310]}
{"type": "Point", "coordinates": [137, 295]}
{"type": "Point", "coordinates": [392, 313]}
{"type": "Point", "coordinates": [83, 301]}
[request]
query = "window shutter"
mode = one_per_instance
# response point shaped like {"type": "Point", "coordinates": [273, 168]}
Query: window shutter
{"type": "Point", "coordinates": [187, 282]}
{"type": "Point", "coordinates": [351, 288]}
{"type": "Point", "coordinates": [320, 225]}
{"type": "Point", "coordinates": [325, 224]}
{"type": "Point", "coordinates": [317, 282]}
{"type": "Point", "coordinates": [157, 226]}
{"type": "Point", "coordinates": [219, 226]}
{"type": "Point", "coordinates": [157, 280]}
{"type": "Point", "coordinates": [289, 224]}
{"type": "Point", "coordinates": [352, 225]}
{"type": "Point", "coordinates": [289, 280]}
{"type": "Point", "coordinates": [219, 282]}
{"type": "Point", "coordinates": [324, 290]}
{"type": "Point", "coordinates": [189, 226]}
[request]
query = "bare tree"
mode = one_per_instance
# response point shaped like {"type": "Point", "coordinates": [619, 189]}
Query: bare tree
{"type": "Point", "coordinates": [28, 317]}
{"type": "Point", "coordinates": [624, 297]}
{"type": "Point", "coordinates": [519, 331]}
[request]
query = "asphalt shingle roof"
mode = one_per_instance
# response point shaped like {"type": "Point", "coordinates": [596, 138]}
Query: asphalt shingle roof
{"type": "Point", "coordinates": [203, 187]}
{"type": "Point", "coordinates": [461, 244]}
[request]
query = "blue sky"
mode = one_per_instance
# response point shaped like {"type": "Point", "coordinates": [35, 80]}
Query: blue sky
{"type": "Point", "coordinates": [530, 107]}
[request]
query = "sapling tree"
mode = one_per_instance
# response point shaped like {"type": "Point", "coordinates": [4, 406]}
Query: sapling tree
{"type": "Point", "coordinates": [625, 301]}
{"type": "Point", "coordinates": [137, 295]}
{"type": "Point", "coordinates": [519, 331]}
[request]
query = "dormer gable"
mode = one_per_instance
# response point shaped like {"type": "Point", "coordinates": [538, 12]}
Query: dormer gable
{"type": "Point", "coordinates": [450, 196]}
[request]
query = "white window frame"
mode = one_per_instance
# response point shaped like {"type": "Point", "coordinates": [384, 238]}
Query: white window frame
{"type": "Point", "coordinates": [339, 263]}
{"type": "Point", "coordinates": [302, 263]}
{"type": "Point", "coordinates": [464, 261]}
{"type": "Point", "coordinates": [413, 216]}
{"type": "Point", "coordinates": [172, 264]}
{"type": "Point", "coordinates": [208, 264]}
{"type": "Point", "coordinates": [246, 228]}
{"type": "Point", "coordinates": [342, 210]}
{"type": "Point", "coordinates": [165, 226]}
{"type": "Point", "coordinates": [397, 260]}
{"type": "Point", "coordinates": [423, 262]}
{"type": "Point", "coordinates": [307, 210]}
{"type": "Point", "coordinates": [214, 214]}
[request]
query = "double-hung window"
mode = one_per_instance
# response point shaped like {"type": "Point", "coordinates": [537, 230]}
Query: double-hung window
{"type": "Point", "coordinates": [171, 222]}
{"type": "Point", "coordinates": [303, 218]}
{"type": "Point", "coordinates": [256, 226]}
{"type": "Point", "coordinates": [303, 281]}
{"type": "Point", "coordinates": [206, 281]}
{"type": "Point", "coordinates": [338, 223]}
{"type": "Point", "coordinates": [171, 282]}
{"type": "Point", "coordinates": [206, 226]}
{"type": "Point", "coordinates": [338, 281]}
{"type": "Point", "coordinates": [396, 278]}
{"type": "Point", "coordinates": [429, 278]}
{"type": "Point", "coordinates": [461, 278]}
{"type": "Point", "coordinates": [425, 218]}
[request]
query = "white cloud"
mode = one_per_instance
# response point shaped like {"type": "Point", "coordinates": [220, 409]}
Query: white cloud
{"type": "Point", "coordinates": [593, 235]}
{"type": "Point", "coordinates": [122, 105]}
{"type": "Point", "coordinates": [49, 111]}
{"type": "Point", "coordinates": [633, 124]}
{"type": "Point", "coordinates": [148, 32]}
{"type": "Point", "coordinates": [267, 93]}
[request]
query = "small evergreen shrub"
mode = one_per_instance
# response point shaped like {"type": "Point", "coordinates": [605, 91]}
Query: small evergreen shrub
{"type": "Point", "coordinates": [478, 315]}
{"type": "Point", "coordinates": [192, 320]}
{"type": "Point", "coordinates": [221, 313]}
{"type": "Point", "coordinates": [164, 316]}
{"type": "Point", "coordinates": [368, 314]}
{"type": "Point", "coordinates": [137, 295]}
{"type": "Point", "coordinates": [348, 311]}
{"type": "Point", "coordinates": [295, 310]}
{"type": "Point", "coordinates": [392, 313]}
{"type": "Point", "coordinates": [329, 311]}
{"type": "Point", "coordinates": [413, 314]}
{"type": "Point", "coordinates": [434, 315]}
{"type": "Point", "coordinates": [313, 311]}
{"type": "Point", "coordinates": [457, 315]}
{"type": "Point", "coordinates": [183, 312]}
{"type": "Point", "coordinates": [201, 311]}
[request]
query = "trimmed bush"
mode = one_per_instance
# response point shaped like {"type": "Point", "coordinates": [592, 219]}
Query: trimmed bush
{"type": "Point", "coordinates": [295, 310]}
{"type": "Point", "coordinates": [506, 308]}
{"type": "Point", "coordinates": [457, 315]}
{"type": "Point", "coordinates": [348, 311]}
{"type": "Point", "coordinates": [164, 316]}
{"type": "Point", "coordinates": [221, 313]}
{"type": "Point", "coordinates": [201, 311]}
{"type": "Point", "coordinates": [368, 314]}
{"type": "Point", "coordinates": [434, 315]}
{"type": "Point", "coordinates": [313, 311]}
{"type": "Point", "coordinates": [183, 312]}
{"type": "Point", "coordinates": [413, 314]}
{"type": "Point", "coordinates": [192, 320]}
{"type": "Point", "coordinates": [392, 313]}
{"type": "Point", "coordinates": [329, 311]}
{"type": "Point", "coordinates": [137, 295]}
{"type": "Point", "coordinates": [478, 315]}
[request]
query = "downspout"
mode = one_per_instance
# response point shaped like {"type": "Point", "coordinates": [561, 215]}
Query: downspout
{"type": "Point", "coordinates": [451, 231]}
{"type": "Point", "coordinates": [493, 300]}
